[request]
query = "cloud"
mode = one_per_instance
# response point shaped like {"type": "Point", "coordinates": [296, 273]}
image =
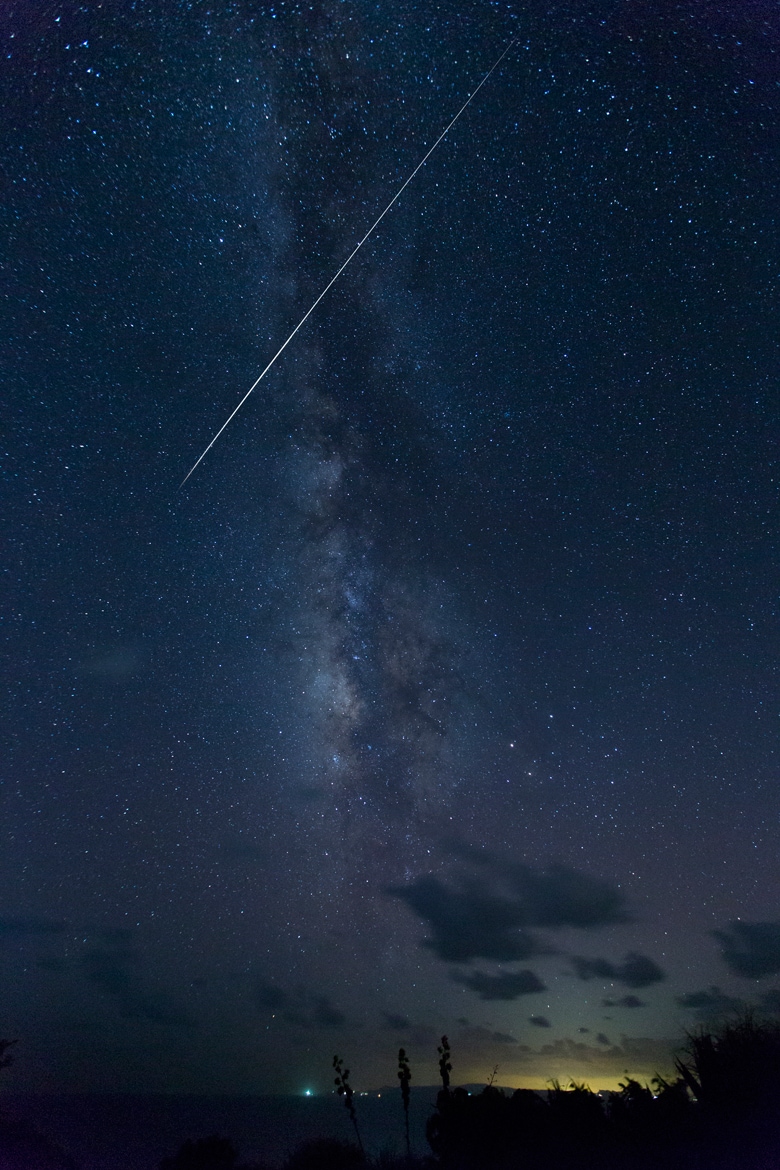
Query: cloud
{"type": "Point", "coordinates": [510, 985]}
{"type": "Point", "coordinates": [489, 916]}
{"type": "Point", "coordinates": [750, 949]}
{"type": "Point", "coordinates": [248, 851]}
{"type": "Point", "coordinates": [424, 1036]}
{"type": "Point", "coordinates": [710, 1003]}
{"type": "Point", "coordinates": [566, 1058]}
{"type": "Point", "coordinates": [13, 926]}
{"type": "Point", "coordinates": [635, 971]}
{"type": "Point", "coordinates": [293, 1008]}
{"type": "Point", "coordinates": [627, 1001]}
{"type": "Point", "coordinates": [397, 1023]}
{"type": "Point", "coordinates": [114, 972]}
{"type": "Point", "coordinates": [477, 1039]}
{"type": "Point", "coordinates": [110, 970]}
{"type": "Point", "coordinates": [117, 936]}
{"type": "Point", "coordinates": [299, 1007]}
{"type": "Point", "coordinates": [539, 1021]}
{"type": "Point", "coordinates": [270, 997]}
{"type": "Point", "coordinates": [471, 923]}
{"type": "Point", "coordinates": [157, 1007]}
{"type": "Point", "coordinates": [325, 1015]}
{"type": "Point", "coordinates": [53, 965]}
{"type": "Point", "coordinates": [503, 1038]}
{"type": "Point", "coordinates": [582, 1058]}
{"type": "Point", "coordinates": [561, 897]}
{"type": "Point", "coordinates": [769, 1002]}
{"type": "Point", "coordinates": [117, 662]}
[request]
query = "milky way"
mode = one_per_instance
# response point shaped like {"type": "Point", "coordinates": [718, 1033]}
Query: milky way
{"type": "Point", "coordinates": [378, 659]}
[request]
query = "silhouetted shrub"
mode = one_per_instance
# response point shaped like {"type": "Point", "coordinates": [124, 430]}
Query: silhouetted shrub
{"type": "Point", "coordinates": [641, 1117]}
{"type": "Point", "coordinates": [576, 1114]}
{"type": "Point", "coordinates": [480, 1129]}
{"type": "Point", "coordinates": [530, 1117]}
{"type": "Point", "coordinates": [388, 1160]}
{"type": "Point", "coordinates": [209, 1153]}
{"type": "Point", "coordinates": [22, 1147]}
{"type": "Point", "coordinates": [734, 1075]}
{"type": "Point", "coordinates": [736, 1069]}
{"type": "Point", "coordinates": [673, 1110]}
{"type": "Point", "coordinates": [721, 1113]}
{"type": "Point", "coordinates": [326, 1154]}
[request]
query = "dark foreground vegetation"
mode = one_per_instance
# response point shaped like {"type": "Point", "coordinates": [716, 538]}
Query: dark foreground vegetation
{"type": "Point", "coordinates": [720, 1112]}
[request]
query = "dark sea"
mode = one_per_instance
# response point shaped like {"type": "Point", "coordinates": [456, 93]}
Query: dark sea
{"type": "Point", "coordinates": [109, 1132]}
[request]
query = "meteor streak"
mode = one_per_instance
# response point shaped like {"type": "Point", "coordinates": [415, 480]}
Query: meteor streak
{"type": "Point", "coordinates": [354, 252]}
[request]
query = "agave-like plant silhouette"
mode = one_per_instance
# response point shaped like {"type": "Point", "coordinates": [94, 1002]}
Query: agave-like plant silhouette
{"type": "Point", "coordinates": [445, 1066]}
{"type": "Point", "coordinates": [345, 1090]}
{"type": "Point", "coordinates": [405, 1077]}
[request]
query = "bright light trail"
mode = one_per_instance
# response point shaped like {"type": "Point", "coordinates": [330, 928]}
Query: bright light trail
{"type": "Point", "coordinates": [354, 252]}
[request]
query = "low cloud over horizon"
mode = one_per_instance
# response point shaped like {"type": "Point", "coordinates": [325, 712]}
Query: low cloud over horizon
{"type": "Point", "coordinates": [750, 949]}
{"type": "Point", "coordinates": [496, 909]}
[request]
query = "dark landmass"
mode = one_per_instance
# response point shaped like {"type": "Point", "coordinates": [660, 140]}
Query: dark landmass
{"type": "Point", "coordinates": [720, 1112]}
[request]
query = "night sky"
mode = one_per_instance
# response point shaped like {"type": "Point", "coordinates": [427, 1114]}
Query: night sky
{"type": "Point", "coordinates": [442, 697]}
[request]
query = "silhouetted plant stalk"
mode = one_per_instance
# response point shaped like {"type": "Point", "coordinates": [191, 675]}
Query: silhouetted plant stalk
{"type": "Point", "coordinates": [345, 1090]}
{"type": "Point", "coordinates": [445, 1067]}
{"type": "Point", "coordinates": [405, 1077]}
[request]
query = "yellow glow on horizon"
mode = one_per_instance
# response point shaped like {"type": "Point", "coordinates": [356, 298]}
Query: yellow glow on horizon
{"type": "Point", "coordinates": [597, 1083]}
{"type": "Point", "coordinates": [606, 1080]}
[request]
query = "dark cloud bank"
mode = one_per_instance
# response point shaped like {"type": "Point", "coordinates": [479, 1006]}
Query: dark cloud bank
{"type": "Point", "coordinates": [494, 910]}
{"type": "Point", "coordinates": [299, 1006]}
{"type": "Point", "coordinates": [751, 949]}
{"type": "Point", "coordinates": [712, 1003]}
{"type": "Point", "coordinates": [509, 985]}
{"type": "Point", "coordinates": [635, 971]}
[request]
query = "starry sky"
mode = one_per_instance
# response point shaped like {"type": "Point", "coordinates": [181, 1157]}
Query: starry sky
{"type": "Point", "coordinates": [442, 697]}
